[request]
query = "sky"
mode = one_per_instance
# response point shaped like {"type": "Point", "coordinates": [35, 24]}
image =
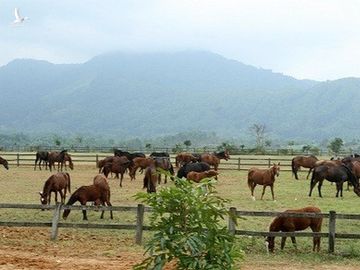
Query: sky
{"type": "Point", "coordinates": [307, 39]}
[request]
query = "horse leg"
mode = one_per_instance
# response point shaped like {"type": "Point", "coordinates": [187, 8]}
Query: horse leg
{"type": "Point", "coordinates": [253, 185]}
{"type": "Point", "coordinates": [272, 191]}
{"type": "Point", "coordinates": [262, 195]}
{"type": "Point", "coordinates": [84, 212]}
{"type": "Point", "coordinates": [102, 212]}
{"type": "Point", "coordinates": [312, 185]}
{"type": "Point", "coordinates": [307, 177]}
{"type": "Point", "coordinates": [56, 197]}
{"type": "Point", "coordinates": [283, 240]}
{"type": "Point", "coordinates": [159, 179]}
{"type": "Point", "coordinates": [62, 199]}
{"type": "Point", "coordinates": [121, 178]}
{"type": "Point", "coordinates": [165, 181]}
{"type": "Point", "coordinates": [319, 187]}
{"type": "Point", "coordinates": [109, 204]}
{"type": "Point", "coordinates": [293, 240]}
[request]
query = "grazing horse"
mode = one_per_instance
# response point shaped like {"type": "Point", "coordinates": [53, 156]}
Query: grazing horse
{"type": "Point", "coordinates": [55, 183]}
{"type": "Point", "coordinates": [184, 158]}
{"type": "Point", "coordinates": [100, 164]}
{"type": "Point", "coordinates": [265, 177]}
{"type": "Point", "coordinates": [336, 174]}
{"type": "Point", "coordinates": [303, 161]}
{"type": "Point", "coordinates": [292, 224]}
{"type": "Point", "coordinates": [67, 158]}
{"type": "Point", "coordinates": [198, 176]}
{"type": "Point", "coordinates": [118, 165]}
{"type": "Point", "coordinates": [214, 158]}
{"type": "Point", "coordinates": [141, 163]}
{"type": "Point", "coordinates": [4, 163]}
{"type": "Point", "coordinates": [41, 156]}
{"type": "Point", "coordinates": [97, 193]}
{"type": "Point", "coordinates": [164, 163]}
{"type": "Point", "coordinates": [192, 167]}
{"type": "Point", "coordinates": [56, 157]}
{"type": "Point", "coordinates": [150, 179]}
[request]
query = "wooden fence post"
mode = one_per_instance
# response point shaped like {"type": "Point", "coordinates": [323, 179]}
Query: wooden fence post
{"type": "Point", "coordinates": [139, 223]}
{"type": "Point", "coordinates": [332, 220]}
{"type": "Point", "coordinates": [232, 220]}
{"type": "Point", "coordinates": [18, 159]}
{"type": "Point", "coordinates": [55, 222]}
{"type": "Point", "coordinates": [96, 159]}
{"type": "Point", "coordinates": [239, 163]}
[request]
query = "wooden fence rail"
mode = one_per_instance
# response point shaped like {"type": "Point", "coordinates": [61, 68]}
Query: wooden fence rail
{"type": "Point", "coordinates": [139, 227]}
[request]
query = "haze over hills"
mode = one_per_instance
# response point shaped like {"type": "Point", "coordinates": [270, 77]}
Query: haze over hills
{"type": "Point", "coordinates": [153, 94]}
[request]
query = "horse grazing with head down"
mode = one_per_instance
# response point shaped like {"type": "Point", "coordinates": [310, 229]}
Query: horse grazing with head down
{"type": "Point", "coordinates": [198, 176]}
{"type": "Point", "coordinates": [264, 177]}
{"type": "Point", "coordinates": [67, 158]}
{"type": "Point", "coordinates": [118, 166]}
{"type": "Point", "coordinates": [139, 162]}
{"type": "Point", "coordinates": [58, 182]}
{"type": "Point", "coordinates": [303, 161]}
{"type": "Point", "coordinates": [292, 224]}
{"type": "Point", "coordinates": [99, 193]}
{"type": "Point", "coordinates": [41, 156]}
{"type": "Point", "coordinates": [214, 158]}
{"type": "Point", "coordinates": [4, 163]}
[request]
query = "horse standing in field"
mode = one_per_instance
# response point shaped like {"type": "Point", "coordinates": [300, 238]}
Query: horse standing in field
{"type": "Point", "coordinates": [336, 174]}
{"type": "Point", "coordinates": [41, 156]}
{"type": "Point", "coordinates": [140, 162]}
{"type": "Point", "coordinates": [150, 179]}
{"type": "Point", "coordinates": [264, 177]}
{"type": "Point", "coordinates": [4, 163]}
{"type": "Point", "coordinates": [164, 164]}
{"type": "Point", "coordinates": [303, 161]}
{"type": "Point", "coordinates": [118, 166]}
{"type": "Point", "coordinates": [198, 176]}
{"type": "Point", "coordinates": [184, 158]}
{"type": "Point", "coordinates": [56, 157]}
{"type": "Point", "coordinates": [100, 164]}
{"type": "Point", "coordinates": [292, 224]}
{"type": "Point", "coordinates": [67, 158]}
{"type": "Point", "coordinates": [58, 182]}
{"type": "Point", "coordinates": [192, 167]}
{"type": "Point", "coordinates": [214, 158]}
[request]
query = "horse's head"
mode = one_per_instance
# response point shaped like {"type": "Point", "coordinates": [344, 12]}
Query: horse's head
{"type": "Point", "coordinates": [212, 173]}
{"type": "Point", "coordinates": [43, 198]}
{"type": "Point", "coordinates": [276, 169]}
{"type": "Point", "coordinates": [6, 164]}
{"type": "Point", "coordinates": [66, 213]}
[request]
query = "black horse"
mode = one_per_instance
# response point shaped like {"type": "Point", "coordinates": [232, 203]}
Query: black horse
{"type": "Point", "coordinates": [193, 167]}
{"type": "Point", "coordinates": [130, 156]}
{"type": "Point", "coordinates": [41, 156]}
{"type": "Point", "coordinates": [159, 154]}
{"type": "Point", "coordinates": [337, 174]}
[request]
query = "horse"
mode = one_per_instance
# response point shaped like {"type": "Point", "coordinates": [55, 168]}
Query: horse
{"type": "Point", "coordinates": [55, 183]}
{"type": "Point", "coordinates": [303, 161]}
{"type": "Point", "coordinates": [192, 167]}
{"type": "Point", "coordinates": [214, 158]}
{"type": "Point", "coordinates": [164, 163]}
{"type": "Point", "coordinates": [150, 179]}
{"type": "Point", "coordinates": [337, 174]}
{"type": "Point", "coordinates": [100, 164]}
{"type": "Point", "coordinates": [41, 156]}
{"type": "Point", "coordinates": [159, 154]}
{"type": "Point", "coordinates": [4, 162]}
{"type": "Point", "coordinates": [198, 176]}
{"type": "Point", "coordinates": [67, 158]}
{"type": "Point", "coordinates": [56, 157]}
{"type": "Point", "coordinates": [141, 163]}
{"type": "Point", "coordinates": [265, 177]}
{"type": "Point", "coordinates": [184, 158]}
{"type": "Point", "coordinates": [130, 156]}
{"type": "Point", "coordinates": [331, 162]}
{"type": "Point", "coordinates": [118, 165]}
{"type": "Point", "coordinates": [197, 157]}
{"type": "Point", "coordinates": [97, 193]}
{"type": "Point", "coordinates": [292, 224]}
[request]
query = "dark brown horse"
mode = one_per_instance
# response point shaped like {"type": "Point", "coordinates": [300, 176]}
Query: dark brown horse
{"type": "Point", "coordinates": [95, 193]}
{"type": "Point", "coordinates": [198, 176]}
{"type": "Point", "coordinates": [336, 174]}
{"type": "Point", "coordinates": [58, 182]}
{"type": "Point", "coordinates": [139, 162]}
{"type": "Point", "coordinates": [303, 161]}
{"type": "Point", "coordinates": [119, 165]}
{"type": "Point", "coordinates": [151, 179]}
{"type": "Point", "coordinates": [164, 164]}
{"type": "Point", "coordinates": [184, 158]}
{"type": "Point", "coordinates": [41, 156]}
{"type": "Point", "coordinates": [56, 157]}
{"type": "Point", "coordinates": [214, 158]}
{"type": "Point", "coordinates": [264, 177]}
{"type": "Point", "coordinates": [4, 163]}
{"type": "Point", "coordinates": [292, 224]}
{"type": "Point", "coordinates": [100, 164]}
{"type": "Point", "coordinates": [67, 158]}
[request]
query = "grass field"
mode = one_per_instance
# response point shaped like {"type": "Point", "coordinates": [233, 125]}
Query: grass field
{"type": "Point", "coordinates": [21, 185]}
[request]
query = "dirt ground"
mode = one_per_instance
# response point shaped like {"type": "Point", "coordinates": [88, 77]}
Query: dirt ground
{"type": "Point", "coordinates": [29, 248]}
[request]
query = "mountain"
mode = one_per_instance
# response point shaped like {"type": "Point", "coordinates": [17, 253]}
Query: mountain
{"type": "Point", "coordinates": [152, 94]}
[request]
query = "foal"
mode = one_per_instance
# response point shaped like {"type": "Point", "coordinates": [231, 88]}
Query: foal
{"type": "Point", "coordinates": [198, 176]}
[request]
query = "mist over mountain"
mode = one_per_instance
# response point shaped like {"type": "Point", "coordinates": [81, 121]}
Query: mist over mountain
{"type": "Point", "coordinates": [153, 94]}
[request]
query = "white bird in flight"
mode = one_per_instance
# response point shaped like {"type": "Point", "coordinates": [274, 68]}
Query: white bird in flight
{"type": "Point", "coordinates": [18, 18]}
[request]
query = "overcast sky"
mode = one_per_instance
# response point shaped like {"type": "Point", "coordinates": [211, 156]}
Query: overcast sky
{"type": "Point", "coordinates": [315, 39]}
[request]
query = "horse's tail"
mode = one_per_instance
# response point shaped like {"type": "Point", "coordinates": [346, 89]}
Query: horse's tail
{"type": "Point", "coordinates": [293, 168]}
{"type": "Point", "coordinates": [250, 181]}
{"type": "Point", "coordinates": [351, 176]}
{"type": "Point", "coordinates": [69, 182]}
{"type": "Point", "coordinates": [146, 179]}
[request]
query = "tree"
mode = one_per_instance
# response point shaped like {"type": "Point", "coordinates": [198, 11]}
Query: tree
{"type": "Point", "coordinates": [187, 143]}
{"type": "Point", "coordinates": [259, 130]}
{"type": "Point", "coordinates": [306, 148]}
{"type": "Point", "coordinates": [335, 145]}
{"type": "Point", "coordinates": [148, 146]}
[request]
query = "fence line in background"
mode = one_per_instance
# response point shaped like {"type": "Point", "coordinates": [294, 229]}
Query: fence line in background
{"type": "Point", "coordinates": [139, 227]}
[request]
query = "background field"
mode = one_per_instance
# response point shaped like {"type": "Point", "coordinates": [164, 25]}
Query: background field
{"type": "Point", "coordinates": [109, 247]}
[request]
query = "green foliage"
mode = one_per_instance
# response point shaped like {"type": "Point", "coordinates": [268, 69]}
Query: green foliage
{"type": "Point", "coordinates": [189, 228]}
{"type": "Point", "coordinates": [335, 145]}
{"type": "Point", "coordinates": [187, 143]}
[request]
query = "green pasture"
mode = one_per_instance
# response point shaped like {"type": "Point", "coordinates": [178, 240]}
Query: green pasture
{"type": "Point", "coordinates": [22, 184]}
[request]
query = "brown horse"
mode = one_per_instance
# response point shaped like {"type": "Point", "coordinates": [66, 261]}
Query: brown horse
{"type": "Point", "coordinates": [41, 156]}
{"type": "Point", "coordinates": [292, 224]}
{"type": "Point", "coordinates": [184, 158]}
{"type": "Point", "coordinates": [328, 162]}
{"type": "Point", "coordinates": [100, 164]}
{"type": "Point", "coordinates": [198, 176]}
{"type": "Point", "coordinates": [303, 161]}
{"type": "Point", "coordinates": [214, 158]}
{"type": "Point", "coordinates": [164, 164]}
{"type": "Point", "coordinates": [139, 162]}
{"type": "Point", "coordinates": [67, 158]}
{"type": "Point", "coordinates": [4, 163]}
{"type": "Point", "coordinates": [97, 193]}
{"type": "Point", "coordinates": [118, 166]}
{"type": "Point", "coordinates": [56, 157]}
{"type": "Point", "coordinates": [265, 177]}
{"type": "Point", "coordinates": [151, 179]}
{"type": "Point", "coordinates": [55, 183]}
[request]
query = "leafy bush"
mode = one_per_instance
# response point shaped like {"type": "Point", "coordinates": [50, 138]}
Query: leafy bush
{"type": "Point", "coordinates": [189, 228]}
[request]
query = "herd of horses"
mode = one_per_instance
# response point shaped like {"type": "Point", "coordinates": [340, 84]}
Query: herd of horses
{"type": "Point", "coordinates": [196, 167]}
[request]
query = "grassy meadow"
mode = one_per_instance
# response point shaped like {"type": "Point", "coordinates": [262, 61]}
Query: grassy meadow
{"type": "Point", "coordinates": [22, 184]}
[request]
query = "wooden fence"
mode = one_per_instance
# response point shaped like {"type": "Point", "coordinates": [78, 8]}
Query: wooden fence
{"type": "Point", "coordinates": [236, 163]}
{"type": "Point", "coordinates": [139, 227]}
